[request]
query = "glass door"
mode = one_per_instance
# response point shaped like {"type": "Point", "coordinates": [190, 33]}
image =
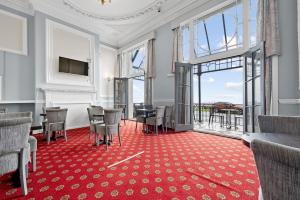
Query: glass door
{"type": "Point", "coordinates": [183, 97]}
{"type": "Point", "coordinates": [254, 90]}
{"type": "Point", "coordinates": [121, 94]}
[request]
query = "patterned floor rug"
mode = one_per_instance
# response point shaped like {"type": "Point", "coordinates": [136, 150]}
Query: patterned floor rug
{"type": "Point", "coordinates": [173, 166]}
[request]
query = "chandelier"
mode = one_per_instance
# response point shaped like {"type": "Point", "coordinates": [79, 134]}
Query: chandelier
{"type": "Point", "coordinates": [104, 2]}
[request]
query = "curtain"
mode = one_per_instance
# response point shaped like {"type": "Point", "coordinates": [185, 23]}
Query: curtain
{"type": "Point", "coordinates": [177, 56]}
{"type": "Point", "coordinates": [126, 64]}
{"type": "Point", "coordinates": [150, 72]}
{"type": "Point", "coordinates": [268, 32]}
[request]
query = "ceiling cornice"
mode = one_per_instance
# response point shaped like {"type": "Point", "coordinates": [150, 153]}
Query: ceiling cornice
{"type": "Point", "coordinates": [153, 7]}
{"type": "Point", "coordinates": [23, 6]}
{"type": "Point", "coordinates": [153, 24]}
{"type": "Point", "coordinates": [105, 32]}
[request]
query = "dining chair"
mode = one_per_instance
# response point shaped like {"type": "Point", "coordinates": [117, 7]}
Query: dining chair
{"type": "Point", "coordinates": [278, 169]}
{"type": "Point", "coordinates": [123, 107]}
{"type": "Point", "coordinates": [157, 120]}
{"type": "Point", "coordinates": [31, 140]}
{"type": "Point", "coordinates": [112, 120]}
{"type": "Point", "coordinates": [140, 116]}
{"type": "Point", "coordinates": [92, 111]}
{"type": "Point", "coordinates": [168, 118]}
{"type": "Point", "coordinates": [44, 121]}
{"type": "Point", "coordinates": [279, 124]}
{"type": "Point", "coordinates": [3, 110]}
{"type": "Point", "coordinates": [14, 147]}
{"type": "Point", "coordinates": [135, 107]}
{"type": "Point", "coordinates": [56, 121]}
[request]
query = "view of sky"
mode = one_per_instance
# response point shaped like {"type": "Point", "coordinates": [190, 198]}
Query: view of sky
{"type": "Point", "coordinates": [138, 91]}
{"type": "Point", "coordinates": [224, 86]}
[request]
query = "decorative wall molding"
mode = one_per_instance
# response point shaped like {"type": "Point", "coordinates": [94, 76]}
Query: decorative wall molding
{"type": "Point", "coordinates": [153, 7]}
{"type": "Point", "coordinates": [18, 102]}
{"type": "Point", "coordinates": [66, 90]}
{"type": "Point", "coordinates": [112, 33]}
{"type": "Point", "coordinates": [289, 101]}
{"type": "Point", "coordinates": [20, 5]}
{"type": "Point", "coordinates": [67, 79]}
{"type": "Point", "coordinates": [76, 102]}
{"type": "Point", "coordinates": [12, 27]}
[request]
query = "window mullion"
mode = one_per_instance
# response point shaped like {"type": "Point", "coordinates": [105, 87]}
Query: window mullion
{"type": "Point", "coordinates": [225, 34]}
{"type": "Point", "coordinates": [207, 39]}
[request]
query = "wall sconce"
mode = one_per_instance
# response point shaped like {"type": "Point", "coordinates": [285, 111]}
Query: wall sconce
{"type": "Point", "coordinates": [109, 78]}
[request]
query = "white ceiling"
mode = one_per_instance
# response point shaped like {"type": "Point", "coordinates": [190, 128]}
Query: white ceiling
{"type": "Point", "coordinates": [118, 23]}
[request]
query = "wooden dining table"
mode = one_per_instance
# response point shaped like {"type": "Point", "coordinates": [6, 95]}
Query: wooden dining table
{"type": "Point", "coordinates": [291, 140]}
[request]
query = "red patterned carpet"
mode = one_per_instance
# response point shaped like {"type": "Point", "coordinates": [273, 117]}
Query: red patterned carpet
{"type": "Point", "coordinates": [173, 166]}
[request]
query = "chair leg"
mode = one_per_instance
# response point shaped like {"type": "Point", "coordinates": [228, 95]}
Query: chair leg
{"type": "Point", "coordinates": [34, 161]}
{"type": "Point", "coordinates": [65, 133]}
{"type": "Point", "coordinates": [136, 123]}
{"type": "Point", "coordinates": [96, 139]}
{"type": "Point", "coordinates": [48, 137]}
{"type": "Point", "coordinates": [90, 133]}
{"type": "Point", "coordinates": [26, 170]}
{"type": "Point", "coordinates": [22, 171]}
{"type": "Point", "coordinates": [119, 136]}
{"type": "Point", "coordinates": [106, 139]}
{"type": "Point", "coordinates": [156, 129]}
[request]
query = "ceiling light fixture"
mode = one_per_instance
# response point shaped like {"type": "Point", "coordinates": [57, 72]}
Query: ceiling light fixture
{"type": "Point", "coordinates": [104, 2]}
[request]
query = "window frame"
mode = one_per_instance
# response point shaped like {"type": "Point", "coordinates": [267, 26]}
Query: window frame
{"type": "Point", "coordinates": [210, 12]}
{"type": "Point", "coordinates": [134, 57]}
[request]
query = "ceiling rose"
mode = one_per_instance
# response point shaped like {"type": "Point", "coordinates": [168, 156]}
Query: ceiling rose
{"type": "Point", "coordinates": [104, 2]}
{"type": "Point", "coordinates": [150, 8]}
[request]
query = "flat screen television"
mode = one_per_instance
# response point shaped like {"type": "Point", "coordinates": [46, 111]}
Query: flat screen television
{"type": "Point", "coordinates": [67, 65]}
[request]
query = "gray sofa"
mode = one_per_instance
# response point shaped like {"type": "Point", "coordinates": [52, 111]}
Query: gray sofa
{"type": "Point", "coordinates": [279, 170]}
{"type": "Point", "coordinates": [279, 124]}
{"type": "Point", "coordinates": [278, 165]}
{"type": "Point", "coordinates": [14, 146]}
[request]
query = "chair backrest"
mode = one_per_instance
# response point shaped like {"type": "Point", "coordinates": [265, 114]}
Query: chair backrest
{"type": "Point", "coordinates": [148, 107]}
{"type": "Point", "coordinates": [14, 131]}
{"type": "Point", "coordinates": [50, 108]}
{"type": "Point", "coordinates": [15, 115]}
{"type": "Point", "coordinates": [3, 110]}
{"type": "Point", "coordinates": [160, 111]}
{"type": "Point", "coordinates": [168, 111]}
{"type": "Point", "coordinates": [281, 161]}
{"type": "Point", "coordinates": [95, 110]}
{"type": "Point", "coordinates": [112, 116]}
{"type": "Point", "coordinates": [279, 124]}
{"type": "Point", "coordinates": [137, 106]}
{"type": "Point", "coordinates": [56, 115]}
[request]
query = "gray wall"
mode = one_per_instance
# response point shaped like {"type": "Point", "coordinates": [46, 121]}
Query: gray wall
{"type": "Point", "coordinates": [288, 61]}
{"type": "Point", "coordinates": [23, 74]}
{"type": "Point", "coordinates": [18, 70]}
{"type": "Point", "coordinates": [163, 85]}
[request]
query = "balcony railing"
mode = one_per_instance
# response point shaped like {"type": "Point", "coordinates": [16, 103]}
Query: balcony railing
{"type": "Point", "coordinates": [225, 115]}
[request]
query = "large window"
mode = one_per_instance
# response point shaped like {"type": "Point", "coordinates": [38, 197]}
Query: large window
{"type": "Point", "coordinates": [220, 32]}
{"type": "Point", "coordinates": [138, 63]}
{"type": "Point", "coordinates": [226, 31]}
